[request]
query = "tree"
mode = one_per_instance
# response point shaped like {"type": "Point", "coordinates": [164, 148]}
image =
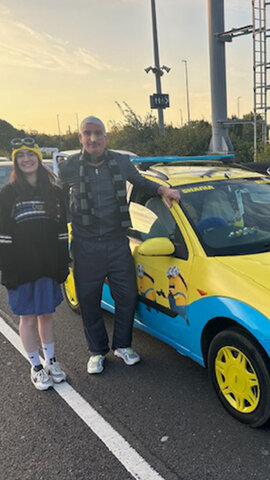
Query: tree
{"type": "Point", "coordinates": [142, 136]}
{"type": "Point", "coordinates": [7, 132]}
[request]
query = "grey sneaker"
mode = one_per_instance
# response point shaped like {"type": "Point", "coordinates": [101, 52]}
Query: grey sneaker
{"type": "Point", "coordinates": [55, 372]}
{"type": "Point", "coordinates": [41, 379]}
{"type": "Point", "coordinates": [95, 364]}
{"type": "Point", "coordinates": [129, 356]}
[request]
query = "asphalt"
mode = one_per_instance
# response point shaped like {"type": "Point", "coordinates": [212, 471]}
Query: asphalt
{"type": "Point", "coordinates": [164, 407]}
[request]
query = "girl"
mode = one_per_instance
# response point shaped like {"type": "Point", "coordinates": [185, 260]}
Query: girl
{"type": "Point", "coordinates": [34, 255]}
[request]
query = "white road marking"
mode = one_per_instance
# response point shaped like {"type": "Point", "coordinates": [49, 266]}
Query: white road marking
{"type": "Point", "coordinates": [118, 446]}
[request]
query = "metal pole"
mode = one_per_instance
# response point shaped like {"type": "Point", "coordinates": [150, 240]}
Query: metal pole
{"type": "Point", "coordinates": [157, 69]}
{"type": "Point", "coordinates": [77, 120]}
{"type": "Point", "coordinates": [238, 107]}
{"type": "Point", "coordinates": [254, 84]}
{"type": "Point", "coordinates": [265, 130]}
{"type": "Point", "coordinates": [59, 131]}
{"type": "Point", "coordinates": [220, 142]}
{"type": "Point", "coordinates": [181, 117]}
{"type": "Point", "coordinates": [58, 124]}
{"type": "Point", "coordinates": [187, 92]}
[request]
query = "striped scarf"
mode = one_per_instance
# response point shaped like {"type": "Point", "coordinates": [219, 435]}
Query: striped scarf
{"type": "Point", "coordinates": [86, 204]}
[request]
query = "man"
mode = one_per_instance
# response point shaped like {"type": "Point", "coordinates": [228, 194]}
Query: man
{"type": "Point", "coordinates": [100, 217]}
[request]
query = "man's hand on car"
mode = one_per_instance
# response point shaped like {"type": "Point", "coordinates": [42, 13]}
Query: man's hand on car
{"type": "Point", "coordinates": [169, 194]}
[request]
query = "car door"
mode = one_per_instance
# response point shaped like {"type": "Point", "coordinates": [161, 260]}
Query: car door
{"type": "Point", "coordinates": [162, 279]}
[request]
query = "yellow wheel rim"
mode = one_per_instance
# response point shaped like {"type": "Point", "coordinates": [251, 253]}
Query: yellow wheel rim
{"type": "Point", "coordinates": [237, 379]}
{"type": "Point", "coordinates": [69, 286]}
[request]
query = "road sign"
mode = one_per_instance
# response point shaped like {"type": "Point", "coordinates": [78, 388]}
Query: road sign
{"type": "Point", "coordinates": [159, 100]}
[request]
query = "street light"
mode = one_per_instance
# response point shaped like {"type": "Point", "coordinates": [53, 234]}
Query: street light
{"type": "Point", "coordinates": [238, 107]}
{"type": "Point", "coordinates": [166, 69]}
{"type": "Point", "coordinates": [148, 69]}
{"type": "Point", "coordinates": [187, 94]}
{"type": "Point", "coordinates": [157, 70]}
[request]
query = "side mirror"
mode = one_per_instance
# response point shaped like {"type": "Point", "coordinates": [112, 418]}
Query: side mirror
{"type": "Point", "coordinates": [158, 246]}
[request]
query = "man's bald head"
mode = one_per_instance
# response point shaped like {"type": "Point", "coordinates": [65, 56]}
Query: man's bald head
{"type": "Point", "coordinates": [94, 120]}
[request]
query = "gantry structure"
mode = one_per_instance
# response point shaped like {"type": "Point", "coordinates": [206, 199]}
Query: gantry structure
{"type": "Point", "coordinates": [220, 141]}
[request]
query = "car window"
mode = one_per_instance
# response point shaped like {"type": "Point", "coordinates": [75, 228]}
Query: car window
{"type": "Point", "coordinates": [152, 219]}
{"type": "Point", "coordinates": [230, 217]}
{"type": "Point", "coordinates": [48, 163]}
{"type": "Point", "coordinates": [5, 171]}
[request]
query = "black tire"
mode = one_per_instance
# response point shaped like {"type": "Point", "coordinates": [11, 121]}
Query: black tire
{"type": "Point", "coordinates": [239, 372]}
{"type": "Point", "coordinates": [70, 293]}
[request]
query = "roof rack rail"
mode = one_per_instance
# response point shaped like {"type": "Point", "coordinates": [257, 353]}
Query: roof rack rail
{"type": "Point", "coordinates": [146, 162]}
{"type": "Point", "coordinates": [158, 174]}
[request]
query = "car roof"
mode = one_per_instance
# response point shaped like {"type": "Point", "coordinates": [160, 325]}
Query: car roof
{"type": "Point", "coordinates": [186, 174]}
{"type": "Point", "coordinates": [72, 152]}
{"type": "Point", "coordinates": [66, 152]}
{"type": "Point", "coordinates": [6, 163]}
{"type": "Point", "coordinates": [177, 170]}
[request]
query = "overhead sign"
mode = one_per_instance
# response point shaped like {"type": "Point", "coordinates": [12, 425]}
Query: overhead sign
{"type": "Point", "coordinates": [159, 100]}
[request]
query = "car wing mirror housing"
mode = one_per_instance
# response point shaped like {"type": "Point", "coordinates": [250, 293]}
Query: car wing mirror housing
{"type": "Point", "coordinates": [160, 246]}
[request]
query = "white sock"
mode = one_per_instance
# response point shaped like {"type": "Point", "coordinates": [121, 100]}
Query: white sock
{"type": "Point", "coordinates": [48, 351]}
{"type": "Point", "coordinates": [34, 358]}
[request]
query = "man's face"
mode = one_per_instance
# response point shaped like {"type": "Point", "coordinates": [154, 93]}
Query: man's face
{"type": "Point", "coordinates": [93, 139]}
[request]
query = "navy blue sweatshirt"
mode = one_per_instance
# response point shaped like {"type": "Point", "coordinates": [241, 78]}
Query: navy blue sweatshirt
{"type": "Point", "coordinates": [32, 244]}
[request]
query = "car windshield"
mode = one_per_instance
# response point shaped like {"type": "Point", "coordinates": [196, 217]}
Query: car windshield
{"type": "Point", "coordinates": [230, 217]}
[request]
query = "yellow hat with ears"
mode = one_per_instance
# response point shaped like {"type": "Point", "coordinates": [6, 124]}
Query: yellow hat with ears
{"type": "Point", "coordinates": [28, 143]}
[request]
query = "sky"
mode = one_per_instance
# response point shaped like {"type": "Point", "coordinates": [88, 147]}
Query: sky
{"type": "Point", "coordinates": [62, 60]}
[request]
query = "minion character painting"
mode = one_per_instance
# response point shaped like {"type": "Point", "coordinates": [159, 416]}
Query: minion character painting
{"type": "Point", "coordinates": [177, 291]}
{"type": "Point", "coordinates": [145, 284]}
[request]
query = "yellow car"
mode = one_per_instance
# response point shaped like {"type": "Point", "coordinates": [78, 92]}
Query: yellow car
{"type": "Point", "coordinates": [203, 273]}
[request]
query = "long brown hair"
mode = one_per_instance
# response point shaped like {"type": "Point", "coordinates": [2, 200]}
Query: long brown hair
{"type": "Point", "coordinates": [45, 186]}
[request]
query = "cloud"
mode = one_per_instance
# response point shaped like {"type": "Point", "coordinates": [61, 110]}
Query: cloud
{"type": "Point", "coordinates": [22, 46]}
{"type": "Point", "coordinates": [4, 9]}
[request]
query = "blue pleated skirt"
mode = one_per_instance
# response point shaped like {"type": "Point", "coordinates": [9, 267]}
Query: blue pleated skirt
{"type": "Point", "coordinates": [35, 298]}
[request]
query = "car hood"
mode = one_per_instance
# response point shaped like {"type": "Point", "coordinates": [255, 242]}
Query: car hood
{"type": "Point", "coordinates": [254, 267]}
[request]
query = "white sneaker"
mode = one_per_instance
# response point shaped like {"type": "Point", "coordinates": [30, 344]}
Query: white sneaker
{"type": "Point", "coordinates": [129, 356]}
{"type": "Point", "coordinates": [55, 372]}
{"type": "Point", "coordinates": [41, 379]}
{"type": "Point", "coordinates": [95, 364]}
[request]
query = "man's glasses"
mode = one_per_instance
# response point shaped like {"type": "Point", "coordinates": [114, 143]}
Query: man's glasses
{"type": "Point", "coordinates": [19, 142]}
